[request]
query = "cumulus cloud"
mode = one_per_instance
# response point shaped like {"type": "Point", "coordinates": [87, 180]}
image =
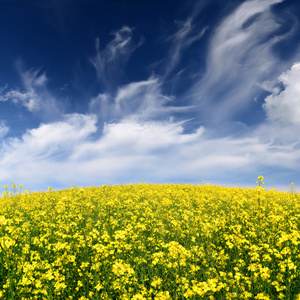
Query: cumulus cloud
{"type": "Point", "coordinates": [111, 60]}
{"type": "Point", "coordinates": [284, 105]}
{"type": "Point", "coordinates": [240, 56]}
{"type": "Point", "coordinates": [68, 152]}
{"type": "Point", "coordinates": [51, 138]}
{"type": "Point", "coordinates": [129, 138]}
{"type": "Point", "coordinates": [41, 153]}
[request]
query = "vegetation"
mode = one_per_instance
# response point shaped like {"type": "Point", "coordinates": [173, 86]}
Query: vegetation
{"type": "Point", "coordinates": [170, 241]}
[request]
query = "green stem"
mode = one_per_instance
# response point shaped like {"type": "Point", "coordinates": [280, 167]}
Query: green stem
{"type": "Point", "coordinates": [8, 266]}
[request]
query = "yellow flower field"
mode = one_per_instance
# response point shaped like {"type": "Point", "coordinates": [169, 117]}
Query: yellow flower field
{"type": "Point", "coordinates": [149, 241]}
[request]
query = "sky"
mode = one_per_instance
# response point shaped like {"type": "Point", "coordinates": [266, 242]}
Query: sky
{"type": "Point", "coordinates": [97, 92]}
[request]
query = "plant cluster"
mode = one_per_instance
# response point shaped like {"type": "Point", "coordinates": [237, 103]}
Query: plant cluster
{"type": "Point", "coordinates": [142, 241]}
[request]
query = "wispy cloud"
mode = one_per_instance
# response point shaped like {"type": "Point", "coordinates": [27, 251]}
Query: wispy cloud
{"type": "Point", "coordinates": [142, 100]}
{"type": "Point", "coordinates": [240, 57]}
{"type": "Point", "coordinates": [27, 99]}
{"type": "Point", "coordinates": [3, 129]}
{"type": "Point", "coordinates": [187, 34]}
{"type": "Point", "coordinates": [32, 81]}
{"type": "Point", "coordinates": [112, 59]}
{"type": "Point", "coordinates": [34, 94]}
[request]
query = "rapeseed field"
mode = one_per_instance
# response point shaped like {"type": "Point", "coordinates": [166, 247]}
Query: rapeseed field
{"type": "Point", "coordinates": [150, 241]}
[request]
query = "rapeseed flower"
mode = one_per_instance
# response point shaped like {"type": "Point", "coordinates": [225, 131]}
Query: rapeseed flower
{"type": "Point", "coordinates": [147, 242]}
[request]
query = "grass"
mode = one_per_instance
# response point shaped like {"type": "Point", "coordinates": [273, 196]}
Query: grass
{"type": "Point", "coordinates": [170, 241]}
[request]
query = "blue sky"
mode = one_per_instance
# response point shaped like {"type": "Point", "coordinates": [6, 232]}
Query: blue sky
{"type": "Point", "coordinates": [95, 92]}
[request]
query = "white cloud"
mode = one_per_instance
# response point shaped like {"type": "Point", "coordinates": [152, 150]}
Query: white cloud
{"type": "Point", "coordinates": [41, 154]}
{"type": "Point", "coordinates": [68, 152]}
{"type": "Point", "coordinates": [33, 78]}
{"type": "Point", "coordinates": [51, 138]}
{"type": "Point", "coordinates": [143, 137]}
{"type": "Point", "coordinates": [109, 62]}
{"type": "Point", "coordinates": [185, 36]}
{"type": "Point", "coordinates": [28, 99]}
{"type": "Point", "coordinates": [284, 106]}
{"type": "Point", "coordinates": [34, 96]}
{"type": "Point", "coordinates": [240, 57]}
{"type": "Point", "coordinates": [102, 106]}
{"type": "Point", "coordinates": [3, 129]}
{"type": "Point", "coordinates": [142, 100]}
{"type": "Point", "coordinates": [239, 42]}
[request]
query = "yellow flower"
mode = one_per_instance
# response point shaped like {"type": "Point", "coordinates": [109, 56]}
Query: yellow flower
{"type": "Point", "coordinates": [138, 297]}
{"type": "Point", "coordinates": [3, 221]}
{"type": "Point", "coordinates": [162, 296]}
{"type": "Point", "coordinates": [150, 242]}
{"type": "Point", "coordinates": [262, 296]}
{"type": "Point", "coordinates": [156, 282]}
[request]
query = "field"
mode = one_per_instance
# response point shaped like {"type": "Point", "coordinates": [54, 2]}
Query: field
{"type": "Point", "coordinates": [148, 241]}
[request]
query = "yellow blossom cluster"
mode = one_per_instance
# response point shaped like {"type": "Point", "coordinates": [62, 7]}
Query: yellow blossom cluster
{"type": "Point", "coordinates": [149, 241]}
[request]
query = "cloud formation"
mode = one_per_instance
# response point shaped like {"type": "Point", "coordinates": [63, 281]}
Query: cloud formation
{"type": "Point", "coordinates": [142, 100]}
{"type": "Point", "coordinates": [133, 131]}
{"type": "Point", "coordinates": [109, 62]}
{"type": "Point", "coordinates": [130, 150]}
{"type": "Point", "coordinates": [283, 105]}
{"type": "Point", "coordinates": [184, 37]}
{"type": "Point", "coordinates": [3, 130]}
{"type": "Point", "coordinates": [240, 57]}
{"type": "Point", "coordinates": [41, 153]}
{"type": "Point", "coordinates": [34, 95]}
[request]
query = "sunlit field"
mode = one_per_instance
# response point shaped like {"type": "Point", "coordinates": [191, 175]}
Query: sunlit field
{"type": "Point", "coordinates": [148, 241]}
